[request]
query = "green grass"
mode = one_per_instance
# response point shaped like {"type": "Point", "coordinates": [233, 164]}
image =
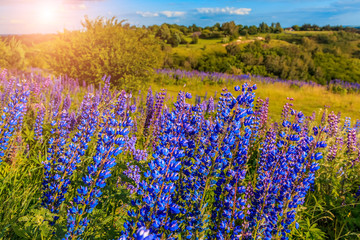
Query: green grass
{"type": "Point", "coordinates": [306, 99]}
{"type": "Point", "coordinates": [216, 45]}
{"type": "Point", "coordinates": [208, 45]}
{"type": "Point", "coordinates": [307, 33]}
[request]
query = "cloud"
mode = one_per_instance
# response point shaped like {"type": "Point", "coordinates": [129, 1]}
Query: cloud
{"type": "Point", "coordinates": [173, 13]}
{"type": "Point", "coordinates": [77, 6]}
{"type": "Point", "coordinates": [16, 21]}
{"type": "Point", "coordinates": [148, 14]}
{"type": "Point", "coordinates": [169, 14]}
{"type": "Point", "coordinates": [82, 6]}
{"type": "Point", "coordinates": [225, 10]}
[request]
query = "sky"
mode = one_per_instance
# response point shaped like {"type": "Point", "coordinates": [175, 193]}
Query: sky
{"type": "Point", "coordinates": [51, 16]}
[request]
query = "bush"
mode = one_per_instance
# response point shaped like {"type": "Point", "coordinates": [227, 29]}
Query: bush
{"type": "Point", "coordinates": [12, 55]}
{"type": "Point", "coordinates": [195, 39]}
{"type": "Point", "coordinates": [107, 47]}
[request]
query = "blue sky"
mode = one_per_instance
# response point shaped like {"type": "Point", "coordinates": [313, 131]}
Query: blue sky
{"type": "Point", "coordinates": [47, 16]}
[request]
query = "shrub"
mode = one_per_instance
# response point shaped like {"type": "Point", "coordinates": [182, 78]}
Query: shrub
{"type": "Point", "coordinates": [107, 47]}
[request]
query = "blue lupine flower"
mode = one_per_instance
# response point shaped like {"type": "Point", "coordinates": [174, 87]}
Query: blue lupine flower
{"type": "Point", "coordinates": [39, 122]}
{"type": "Point", "coordinates": [12, 116]}
{"type": "Point", "coordinates": [58, 172]}
{"type": "Point", "coordinates": [110, 143]}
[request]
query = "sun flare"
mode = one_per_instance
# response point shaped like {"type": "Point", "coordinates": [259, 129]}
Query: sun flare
{"type": "Point", "coordinates": [47, 13]}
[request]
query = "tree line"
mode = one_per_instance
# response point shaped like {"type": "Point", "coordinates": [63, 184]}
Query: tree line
{"type": "Point", "coordinates": [130, 53]}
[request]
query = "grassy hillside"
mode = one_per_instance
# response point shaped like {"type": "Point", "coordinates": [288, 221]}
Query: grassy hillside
{"type": "Point", "coordinates": [307, 99]}
{"type": "Point", "coordinates": [320, 56]}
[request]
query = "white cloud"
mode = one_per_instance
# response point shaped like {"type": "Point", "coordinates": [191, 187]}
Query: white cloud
{"type": "Point", "coordinates": [148, 14]}
{"type": "Point", "coordinates": [172, 13]}
{"type": "Point", "coordinates": [82, 6]}
{"type": "Point", "coordinates": [168, 14]}
{"type": "Point", "coordinates": [16, 21]}
{"type": "Point", "coordinates": [225, 10]}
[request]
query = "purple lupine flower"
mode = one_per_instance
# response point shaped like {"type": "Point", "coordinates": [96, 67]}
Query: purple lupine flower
{"type": "Point", "coordinates": [351, 140]}
{"type": "Point", "coordinates": [323, 117]}
{"type": "Point", "coordinates": [11, 116]}
{"type": "Point", "coordinates": [149, 111]}
{"type": "Point", "coordinates": [333, 124]}
{"type": "Point", "coordinates": [67, 103]}
{"type": "Point", "coordinates": [211, 105]}
{"type": "Point", "coordinates": [39, 122]}
{"type": "Point", "coordinates": [133, 172]}
{"type": "Point", "coordinates": [286, 110]}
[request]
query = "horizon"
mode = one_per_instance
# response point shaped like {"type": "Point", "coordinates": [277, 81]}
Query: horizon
{"type": "Point", "coordinates": [43, 17]}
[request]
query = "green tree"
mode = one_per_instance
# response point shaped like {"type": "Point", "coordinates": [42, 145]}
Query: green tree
{"type": "Point", "coordinates": [174, 40]}
{"type": "Point", "coordinates": [106, 47]}
{"type": "Point", "coordinates": [264, 28]}
{"type": "Point", "coordinates": [194, 39]}
{"type": "Point", "coordinates": [233, 49]}
{"type": "Point", "coordinates": [230, 29]}
{"type": "Point", "coordinates": [164, 32]}
{"type": "Point", "coordinates": [253, 30]}
{"type": "Point", "coordinates": [268, 38]}
{"type": "Point", "coordinates": [12, 54]}
{"type": "Point", "coordinates": [296, 28]}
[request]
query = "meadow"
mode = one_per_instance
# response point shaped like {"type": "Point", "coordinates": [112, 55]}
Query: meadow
{"type": "Point", "coordinates": [308, 98]}
{"type": "Point", "coordinates": [100, 163]}
{"type": "Point", "coordinates": [155, 152]}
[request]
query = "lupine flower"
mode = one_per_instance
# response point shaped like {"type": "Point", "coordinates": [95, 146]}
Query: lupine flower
{"type": "Point", "coordinates": [211, 105]}
{"type": "Point", "coordinates": [39, 122]}
{"type": "Point", "coordinates": [109, 145]}
{"type": "Point", "coordinates": [149, 110]}
{"type": "Point", "coordinates": [11, 116]}
{"type": "Point", "coordinates": [133, 173]}
{"type": "Point", "coordinates": [351, 140]}
{"type": "Point", "coordinates": [333, 124]}
{"type": "Point", "coordinates": [58, 173]}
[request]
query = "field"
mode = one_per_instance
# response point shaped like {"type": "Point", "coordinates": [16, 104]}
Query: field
{"type": "Point", "coordinates": [101, 163]}
{"type": "Point", "coordinates": [307, 98]}
{"type": "Point", "coordinates": [168, 147]}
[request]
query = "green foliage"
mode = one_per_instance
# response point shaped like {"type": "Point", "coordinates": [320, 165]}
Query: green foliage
{"type": "Point", "coordinates": [163, 32]}
{"type": "Point", "coordinates": [230, 29]}
{"type": "Point", "coordinates": [12, 54]}
{"type": "Point", "coordinates": [107, 47]}
{"type": "Point", "coordinates": [233, 49]}
{"type": "Point", "coordinates": [319, 58]}
{"type": "Point", "coordinates": [308, 230]}
{"type": "Point", "coordinates": [35, 225]}
{"type": "Point", "coordinates": [194, 39]}
{"type": "Point", "coordinates": [268, 38]}
{"type": "Point", "coordinates": [175, 40]}
{"type": "Point", "coordinates": [225, 40]}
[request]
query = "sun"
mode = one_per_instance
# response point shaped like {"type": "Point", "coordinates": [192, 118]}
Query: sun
{"type": "Point", "coordinates": [47, 13]}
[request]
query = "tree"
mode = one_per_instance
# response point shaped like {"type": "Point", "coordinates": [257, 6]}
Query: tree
{"type": "Point", "coordinates": [230, 29]}
{"type": "Point", "coordinates": [195, 39]}
{"type": "Point", "coordinates": [278, 28]}
{"type": "Point", "coordinates": [306, 27]}
{"type": "Point", "coordinates": [264, 28]}
{"type": "Point", "coordinates": [267, 38]}
{"type": "Point", "coordinates": [233, 49]}
{"type": "Point", "coordinates": [164, 32]}
{"type": "Point", "coordinates": [106, 47]}
{"type": "Point", "coordinates": [216, 27]}
{"type": "Point", "coordinates": [253, 30]}
{"type": "Point", "coordinates": [296, 28]}
{"type": "Point", "coordinates": [12, 54]}
{"type": "Point", "coordinates": [174, 40]}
